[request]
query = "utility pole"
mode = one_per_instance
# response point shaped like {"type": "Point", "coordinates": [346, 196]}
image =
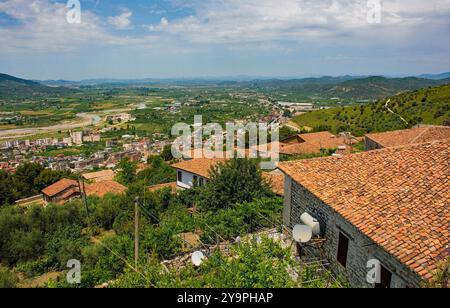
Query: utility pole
{"type": "Point", "coordinates": [136, 232]}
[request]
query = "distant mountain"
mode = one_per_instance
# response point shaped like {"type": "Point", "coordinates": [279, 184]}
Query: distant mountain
{"type": "Point", "coordinates": [436, 76]}
{"type": "Point", "coordinates": [349, 87]}
{"type": "Point", "coordinates": [379, 87]}
{"type": "Point", "coordinates": [16, 88]}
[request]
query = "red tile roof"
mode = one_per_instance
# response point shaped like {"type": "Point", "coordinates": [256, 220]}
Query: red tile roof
{"type": "Point", "coordinates": [104, 175]}
{"type": "Point", "coordinates": [59, 187]}
{"type": "Point", "coordinates": [172, 186]}
{"type": "Point", "coordinates": [200, 166]}
{"type": "Point", "coordinates": [411, 136]}
{"type": "Point", "coordinates": [102, 188]}
{"type": "Point", "coordinates": [311, 143]}
{"type": "Point", "coordinates": [276, 181]}
{"type": "Point", "coordinates": [399, 197]}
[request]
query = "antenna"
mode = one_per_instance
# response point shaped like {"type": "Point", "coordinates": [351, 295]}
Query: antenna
{"type": "Point", "coordinates": [197, 258]}
{"type": "Point", "coordinates": [302, 233]}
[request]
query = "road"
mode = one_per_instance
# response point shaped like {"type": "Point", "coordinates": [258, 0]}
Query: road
{"type": "Point", "coordinates": [84, 120]}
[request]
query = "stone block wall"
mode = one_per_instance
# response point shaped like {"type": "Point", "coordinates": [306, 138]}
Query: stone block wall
{"type": "Point", "coordinates": [361, 248]}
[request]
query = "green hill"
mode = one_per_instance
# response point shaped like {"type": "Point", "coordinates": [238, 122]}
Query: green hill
{"type": "Point", "coordinates": [347, 87]}
{"type": "Point", "coordinates": [427, 106]}
{"type": "Point", "coordinates": [12, 88]}
{"type": "Point", "coordinates": [380, 87]}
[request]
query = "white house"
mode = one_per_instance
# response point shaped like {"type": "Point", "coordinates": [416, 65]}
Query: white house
{"type": "Point", "coordinates": [194, 172]}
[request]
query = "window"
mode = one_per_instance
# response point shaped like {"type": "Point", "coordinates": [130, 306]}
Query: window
{"type": "Point", "coordinates": [386, 278]}
{"type": "Point", "coordinates": [180, 176]}
{"type": "Point", "coordinates": [195, 180]}
{"type": "Point", "coordinates": [342, 249]}
{"type": "Point", "coordinates": [202, 182]}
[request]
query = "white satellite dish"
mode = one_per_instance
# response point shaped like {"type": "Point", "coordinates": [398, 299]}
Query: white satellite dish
{"type": "Point", "coordinates": [302, 233]}
{"type": "Point", "coordinates": [311, 222]}
{"type": "Point", "coordinates": [197, 258]}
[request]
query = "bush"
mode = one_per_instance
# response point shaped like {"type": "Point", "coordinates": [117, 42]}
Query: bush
{"type": "Point", "coordinates": [8, 279]}
{"type": "Point", "coordinates": [235, 181]}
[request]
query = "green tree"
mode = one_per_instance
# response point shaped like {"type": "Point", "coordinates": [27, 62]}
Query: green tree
{"type": "Point", "coordinates": [127, 173]}
{"type": "Point", "coordinates": [232, 182]}
{"type": "Point", "coordinates": [167, 153]}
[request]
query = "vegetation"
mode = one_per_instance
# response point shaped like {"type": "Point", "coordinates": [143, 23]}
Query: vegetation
{"type": "Point", "coordinates": [16, 88]}
{"type": "Point", "coordinates": [428, 106]}
{"type": "Point", "coordinates": [27, 181]}
{"type": "Point", "coordinates": [251, 264]}
{"type": "Point", "coordinates": [8, 279]}
{"type": "Point", "coordinates": [39, 240]}
{"type": "Point", "coordinates": [237, 180]}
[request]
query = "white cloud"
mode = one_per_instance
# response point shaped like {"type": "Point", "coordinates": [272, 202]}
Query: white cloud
{"type": "Point", "coordinates": [164, 22]}
{"type": "Point", "coordinates": [42, 26]}
{"type": "Point", "coordinates": [321, 21]}
{"type": "Point", "coordinates": [235, 25]}
{"type": "Point", "coordinates": [122, 21]}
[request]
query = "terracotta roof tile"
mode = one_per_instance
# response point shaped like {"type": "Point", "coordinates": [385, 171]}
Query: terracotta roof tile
{"type": "Point", "coordinates": [200, 166]}
{"type": "Point", "coordinates": [102, 188]}
{"type": "Point", "coordinates": [59, 187]}
{"type": "Point", "coordinates": [172, 186]}
{"type": "Point", "coordinates": [104, 175]}
{"type": "Point", "coordinates": [411, 136]}
{"type": "Point", "coordinates": [310, 144]}
{"type": "Point", "coordinates": [399, 197]}
{"type": "Point", "coordinates": [276, 181]}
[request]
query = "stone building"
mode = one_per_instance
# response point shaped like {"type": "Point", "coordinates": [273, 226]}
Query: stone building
{"type": "Point", "coordinates": [390, 205]}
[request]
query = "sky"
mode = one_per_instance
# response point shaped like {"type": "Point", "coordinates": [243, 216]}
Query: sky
{"type": "Point", "coordinates": [213, 38]}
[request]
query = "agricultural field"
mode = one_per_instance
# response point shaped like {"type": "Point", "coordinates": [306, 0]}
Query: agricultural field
{"type": "Point", "coordinates": [152, 108]}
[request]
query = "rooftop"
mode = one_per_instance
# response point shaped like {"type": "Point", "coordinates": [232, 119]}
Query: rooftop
{"type": "Point", "coordinates": [411, 136]}
{"type": "Point", "coordinates": [100, 189]}
{"type": "Point", "coordinates": [276, 181]}
{"type": "Point", "coordinates": [310, 143]}
{"type": "Point", "coordinates": [172, 186]}
{"type": "Point", "coordinates": [59, 186]}
{"type": "Point", "coordinates": [100, 175]}
{"type": "Point", "coordinates": [199, 166]}
{"type": "Point", "coordinates": [399, 197]}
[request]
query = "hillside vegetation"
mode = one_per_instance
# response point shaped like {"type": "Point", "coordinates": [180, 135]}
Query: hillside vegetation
{"type": "Point", "coordinates": [16, 88]}
{"type": "Point", "coordinates": [348, 88]}
{"type": "Point", "coordinates": [427, 106]}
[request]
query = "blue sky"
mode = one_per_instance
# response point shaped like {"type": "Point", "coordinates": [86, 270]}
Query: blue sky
{"type": "Point", "coordinates": [181, 38]}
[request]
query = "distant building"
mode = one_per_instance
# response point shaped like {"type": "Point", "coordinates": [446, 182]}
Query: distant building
{"type": "Point", "coordinates": [120, 118]}
{"type": "Point", "coordinates": [298, 107]}
{"type": "Point", "coordinates": [194, 172]}
{"type": "Point", "coordinates": [61, 192]}
{"type": "Point", "coordinates": [311, 143]}
{"type": "Point", "coordinates": [66, 190]}
{"type": "Point", "coordinates": [100, 176]}
{"type": "Point", "coordinates": [102, 188]}
{"type": "Point", "coordinates": [88, 163]}
{"type": "Point", "coordinates": [92, 138]}
{"type": "Point", "coordinates": [77, 137]}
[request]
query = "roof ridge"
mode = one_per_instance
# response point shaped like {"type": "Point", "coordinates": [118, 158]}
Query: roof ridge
{"type": "Point", "coordinates": [427, 129]}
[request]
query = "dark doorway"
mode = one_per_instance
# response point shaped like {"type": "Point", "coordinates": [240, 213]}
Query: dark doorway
{"type": "Point", "coordinates": [343, 249]}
